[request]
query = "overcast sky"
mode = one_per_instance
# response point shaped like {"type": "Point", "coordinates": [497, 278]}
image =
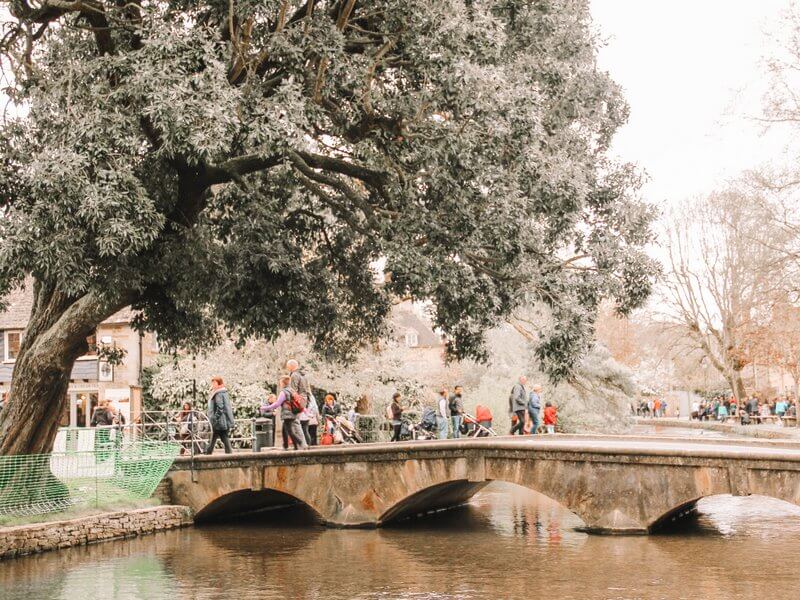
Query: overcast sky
{"type": "Point", "coordinates": [693, 73]}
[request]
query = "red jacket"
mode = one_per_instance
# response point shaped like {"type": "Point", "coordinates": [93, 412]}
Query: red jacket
{"type": "Point", "coordinates": [482, 413]}
{"type": "Point", "coordinates": [550, 415]}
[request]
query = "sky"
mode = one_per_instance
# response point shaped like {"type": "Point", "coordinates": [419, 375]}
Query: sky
{"type": "Point", "coordinates": [693, 72]}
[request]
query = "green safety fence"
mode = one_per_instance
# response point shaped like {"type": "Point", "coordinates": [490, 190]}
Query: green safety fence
{"type": "Point", "coordinates": [113, 471]}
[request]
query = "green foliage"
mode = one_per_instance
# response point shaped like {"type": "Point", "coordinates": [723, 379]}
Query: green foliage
{"type": "Point", "coordinates": [247, 170]}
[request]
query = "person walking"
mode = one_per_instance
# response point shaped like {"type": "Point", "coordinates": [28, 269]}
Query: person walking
{"type": "Point", "coordinates": [298, 381]}
{"type": "Point", "coordinates": [220, 415]}
{"type": "Point", "coordinates": [517, 404]}
{"type": "Point", "coordinates": [550, 417]}
{"type": "Point", "coordinates": [268, 414]}
{"type": "Point", "coordinates": [102, 417]}
{"type": "Point", "coordinates": [185, 420]}
{"type": "Point", "coordinates": [534, 406]}
{"type": "Point", "coordinates": [456, 406]}
{"type": "Point", "coordinates": [330, 410]}
{"type": "Point", "coordinates": [442, 416]}
{"type": "Point", "coordinates": [289, 419]}
{"type": "Point", "coordinates": [694, 413]}
{"type": "Point", "coordinates": [397, 417]}
{"type": "Point", "coordinates": [312, 409]}
{"type": "Point", "coordinates": [304, 418]}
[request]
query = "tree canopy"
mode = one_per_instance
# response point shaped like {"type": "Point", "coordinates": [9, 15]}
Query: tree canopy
{"type": "Point", "coordinates": [247, 163]}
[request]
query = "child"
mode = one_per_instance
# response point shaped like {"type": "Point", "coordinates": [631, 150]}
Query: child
{"type": "Point", "coordinates": [550, 417]}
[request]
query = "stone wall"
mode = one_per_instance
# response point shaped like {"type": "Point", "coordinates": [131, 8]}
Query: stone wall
{"type": "Point", "coordinates": [40, 537]}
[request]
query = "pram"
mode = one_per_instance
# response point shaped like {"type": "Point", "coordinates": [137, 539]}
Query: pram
{"type": "Point", "coordinates": [425, 429]}
{"type": "Point", "coordinates": [471, 428]}
{"type": "Point", "coordinates": [340, 431]}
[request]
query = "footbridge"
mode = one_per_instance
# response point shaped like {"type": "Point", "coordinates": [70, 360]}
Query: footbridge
{"type": "Point", "coordinates": [615, 484]}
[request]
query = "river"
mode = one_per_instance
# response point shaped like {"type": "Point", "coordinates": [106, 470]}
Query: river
{"type": "Point", "coordinates": [507, 543]}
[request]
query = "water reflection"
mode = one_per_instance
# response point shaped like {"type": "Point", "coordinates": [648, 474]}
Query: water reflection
{"type": "Point", "coordinates": [508, 543]}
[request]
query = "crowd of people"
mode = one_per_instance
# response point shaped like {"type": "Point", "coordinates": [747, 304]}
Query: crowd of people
{"type": "Point", "coordinates": [303, 420]}
{"type": "Point", "coordinates": [652, 407]}
{"type": "Point", "coordinates": [525, 408]}
{"type": "Point", "coordinates": [751, 409]}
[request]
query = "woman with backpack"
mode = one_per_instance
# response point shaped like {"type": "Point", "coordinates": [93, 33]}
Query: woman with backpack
{"type": "Point", "coordinates": [220, 415]}
{"type": "Point", "coordinates": [290, 411]}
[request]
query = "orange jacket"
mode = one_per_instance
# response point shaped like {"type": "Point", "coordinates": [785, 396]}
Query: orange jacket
{"type": "Point", "coordinates": [550, 415]}
{"type": "Point", "coordinates": [482, 413]}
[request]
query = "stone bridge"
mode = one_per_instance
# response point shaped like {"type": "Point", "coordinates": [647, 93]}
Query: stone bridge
{"type": "Point", "coordinates": [615, 484]}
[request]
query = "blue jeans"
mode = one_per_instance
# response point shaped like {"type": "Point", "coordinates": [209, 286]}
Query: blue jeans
{"type": "Point", "coordinates": [456, 420]}
{"type": "Point", "coordinates": [534, 421]}
{"type": "Point", "coordinates": [441, 422]}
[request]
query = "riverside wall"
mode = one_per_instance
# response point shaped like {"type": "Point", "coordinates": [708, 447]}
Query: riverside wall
{"type": "Point", "coordinates": [41, 537]}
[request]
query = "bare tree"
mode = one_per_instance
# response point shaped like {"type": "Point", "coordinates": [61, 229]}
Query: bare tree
{"type": "Point", "coordinates": [722, 278]}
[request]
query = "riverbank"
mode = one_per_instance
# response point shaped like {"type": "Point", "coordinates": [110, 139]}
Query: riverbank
{"type": "Point", "coordinates": [41, 537]}
{"type": "Point", "coordinates": [770, 432]}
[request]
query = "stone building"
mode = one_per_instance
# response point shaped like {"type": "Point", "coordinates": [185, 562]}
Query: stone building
{"type": "Point", "coordinates": [92, 380]}
{"type": "Point", "coordinates": [411, 328]}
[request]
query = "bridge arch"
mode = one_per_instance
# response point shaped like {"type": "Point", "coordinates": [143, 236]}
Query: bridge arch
{"type": "Point", "coordinates": [447, 495]}
{"type": "Point", "coordinates": [248, 501]}
{"type": "Point", "coordinates": [688, 507]}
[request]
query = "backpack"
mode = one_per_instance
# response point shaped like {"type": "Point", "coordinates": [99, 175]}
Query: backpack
{"type": "Point", "coordinates": [297, 403]}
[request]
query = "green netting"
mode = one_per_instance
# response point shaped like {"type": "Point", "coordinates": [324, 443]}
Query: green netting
{"type": "Point", "coordinates": [113, 471]}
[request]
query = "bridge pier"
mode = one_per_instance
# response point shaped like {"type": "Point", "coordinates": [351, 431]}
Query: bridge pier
{"type": "Point", "coordinates": [614, 488]}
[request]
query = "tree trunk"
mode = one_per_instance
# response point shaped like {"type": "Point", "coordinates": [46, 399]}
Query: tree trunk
{"type": "Point", "coordinates": [737, 386]}
{"type": "Point", "coordinates": [53, 340]}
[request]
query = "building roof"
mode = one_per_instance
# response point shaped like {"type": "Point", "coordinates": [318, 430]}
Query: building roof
{"type": "Point", "coordinates": [20, 303]}
{"type": "Point", "coordinates": [426, 337]}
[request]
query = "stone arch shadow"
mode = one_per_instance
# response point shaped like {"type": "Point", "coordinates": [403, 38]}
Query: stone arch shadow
{"type": "Point", "coordinates": [248, 501]}
{"type": "Point", "coordinates": [451, 494]}
{"type": "Point", "coordinates": [681, 513]}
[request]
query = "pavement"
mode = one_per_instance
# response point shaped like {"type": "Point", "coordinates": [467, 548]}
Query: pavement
{"type": "Point", "coordinates": [768, 431]}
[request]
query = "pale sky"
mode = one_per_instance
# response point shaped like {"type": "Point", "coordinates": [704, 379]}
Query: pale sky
{"type": "Point", "coordinates": [693, 73]}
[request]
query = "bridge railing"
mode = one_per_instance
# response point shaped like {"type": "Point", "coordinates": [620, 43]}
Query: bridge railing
{"type": "Point", "coordinates": [194, 432]}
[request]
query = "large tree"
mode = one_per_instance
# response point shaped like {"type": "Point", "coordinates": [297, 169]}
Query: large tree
{"type": "Point", "coordinates": [242, 165]}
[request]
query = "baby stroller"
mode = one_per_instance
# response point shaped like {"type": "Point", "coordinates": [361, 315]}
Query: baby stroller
{"type": "Point", "coordinates": [339, 431]}
{"type": "Point", "coordinates": [471, 428]}
{"type": "Point", "coordinates": [426, 428]}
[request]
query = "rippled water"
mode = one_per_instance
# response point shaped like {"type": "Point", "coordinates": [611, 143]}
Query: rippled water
{"type": "Point", "coordinates": [508, 543]}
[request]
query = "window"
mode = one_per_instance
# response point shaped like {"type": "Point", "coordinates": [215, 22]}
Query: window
{"type": "Point", "coordinates": [12, 342]}
{"type": "Point", "coordinates": [411, 339]}
{"type": "Point", "coordinates": [91, 341]}
{"type": "Point", "coordinates": [105, 371]}
{"type": "Point", "coordinates": [92, 346]}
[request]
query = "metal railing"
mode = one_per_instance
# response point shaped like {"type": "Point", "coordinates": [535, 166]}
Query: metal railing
{"type": "Point", "coordinates": [193, 430]}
